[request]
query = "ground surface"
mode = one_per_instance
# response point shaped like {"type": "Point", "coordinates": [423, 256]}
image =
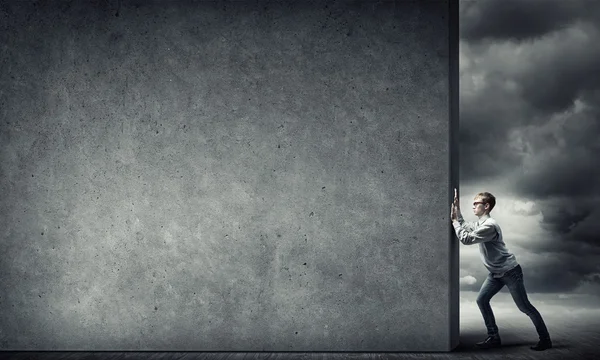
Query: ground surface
{"type": "Point", "coordinates": [575, 336]}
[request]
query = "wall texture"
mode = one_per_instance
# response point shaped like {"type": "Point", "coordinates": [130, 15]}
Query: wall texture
{"type": "Point", "coordinates": [244, 176]}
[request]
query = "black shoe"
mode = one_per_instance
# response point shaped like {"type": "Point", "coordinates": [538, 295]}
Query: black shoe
{"type": "Point", "coordinates": [490, 342]}
{"type": "Point", "coordinates": [542, 345]}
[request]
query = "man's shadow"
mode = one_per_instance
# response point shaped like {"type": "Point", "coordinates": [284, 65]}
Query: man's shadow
{"type": "Point", "coordinates": [468, 339]}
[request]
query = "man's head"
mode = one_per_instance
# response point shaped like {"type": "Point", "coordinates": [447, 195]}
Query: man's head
{"type": "Point", "coordinates": [483, 204]}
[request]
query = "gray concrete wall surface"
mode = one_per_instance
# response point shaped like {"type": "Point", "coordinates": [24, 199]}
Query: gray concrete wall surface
{"type": "Point", "coordinates": [239, 176]}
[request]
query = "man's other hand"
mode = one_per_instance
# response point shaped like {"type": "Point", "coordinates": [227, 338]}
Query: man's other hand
{"type": "Point", "coordinates": [453, 213]}
{"type": "Point", "coordinates": [456, 201]}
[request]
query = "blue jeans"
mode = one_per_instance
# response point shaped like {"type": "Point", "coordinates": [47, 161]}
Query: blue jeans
{"type": "Point", "coordinates": [513, 279]}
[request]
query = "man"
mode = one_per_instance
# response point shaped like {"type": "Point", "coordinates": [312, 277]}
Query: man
{"type": "Point", "coordinates": [501, 264]}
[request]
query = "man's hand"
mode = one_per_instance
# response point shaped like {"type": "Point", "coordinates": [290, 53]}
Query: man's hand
{"type": "Point", "coordinates": [456, 201]}
{"type": "Point", "coordinates": [455, 208]}
{"type": "Point", "coordinates": [453, 215]}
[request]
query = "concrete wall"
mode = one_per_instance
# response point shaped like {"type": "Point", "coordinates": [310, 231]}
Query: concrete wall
{"type": "Point", "coordinates": [244, 176]}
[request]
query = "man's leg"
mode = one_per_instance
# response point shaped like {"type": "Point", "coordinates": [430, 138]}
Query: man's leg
{"type": "Point", "coordinates": [514, 281]}
{"type": "Point", "coordinates": [489, 288]}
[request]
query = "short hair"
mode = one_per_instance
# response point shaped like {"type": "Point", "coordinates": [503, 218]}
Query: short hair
{"type": "Point", "coordinates": [487, 198]}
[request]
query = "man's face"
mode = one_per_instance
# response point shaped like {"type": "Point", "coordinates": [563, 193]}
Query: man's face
{"type": "Point", "coordinates": [478, 207]}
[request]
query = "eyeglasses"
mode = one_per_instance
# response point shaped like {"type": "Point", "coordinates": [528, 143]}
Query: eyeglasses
{"type": "Point", "coordinates": [478, 202]}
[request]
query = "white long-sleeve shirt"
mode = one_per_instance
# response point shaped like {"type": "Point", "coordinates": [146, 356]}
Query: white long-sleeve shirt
{"type": "Point", "coordinates": [487, 233]}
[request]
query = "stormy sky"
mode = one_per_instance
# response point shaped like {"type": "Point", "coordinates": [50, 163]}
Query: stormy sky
{"type": "Point", "coordinates": [529, 133]}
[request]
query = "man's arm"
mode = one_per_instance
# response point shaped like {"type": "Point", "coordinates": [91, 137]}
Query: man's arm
{"type": "Point", "coordinates": [483, 233]}
{"type": "Point", "coordinates": [470, 226]}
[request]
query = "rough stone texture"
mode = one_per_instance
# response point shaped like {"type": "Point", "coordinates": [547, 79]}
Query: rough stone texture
{"type": "Point", "coordinates": [241, 176]}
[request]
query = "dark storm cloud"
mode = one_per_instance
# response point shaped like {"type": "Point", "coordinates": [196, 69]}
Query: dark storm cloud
{"type": "Point", "coordinates": [547, 77]}
{"type": "Point", "coordinates": [563, 177]}
{"type": "Point", "coordinates": [518, 19]}
{"type": "Point", "coordinates": [567, 267]}
{"type": "Point", "coordinates": [573, 225]}
{"type": "Point", "coordinates": [561, 220]}
{"type": "Point", "coordinates": [484, 120]}
{"type": "Point", "coordinates": [567, 167]}
{"type": "Point", "coordinates": [530, 113]}
{"type": "Point", "coordinates": [566, 75]}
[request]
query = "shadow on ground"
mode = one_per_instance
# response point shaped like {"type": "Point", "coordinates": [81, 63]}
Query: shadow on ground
{"type": "Point", "coordinates": [469, 338]}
